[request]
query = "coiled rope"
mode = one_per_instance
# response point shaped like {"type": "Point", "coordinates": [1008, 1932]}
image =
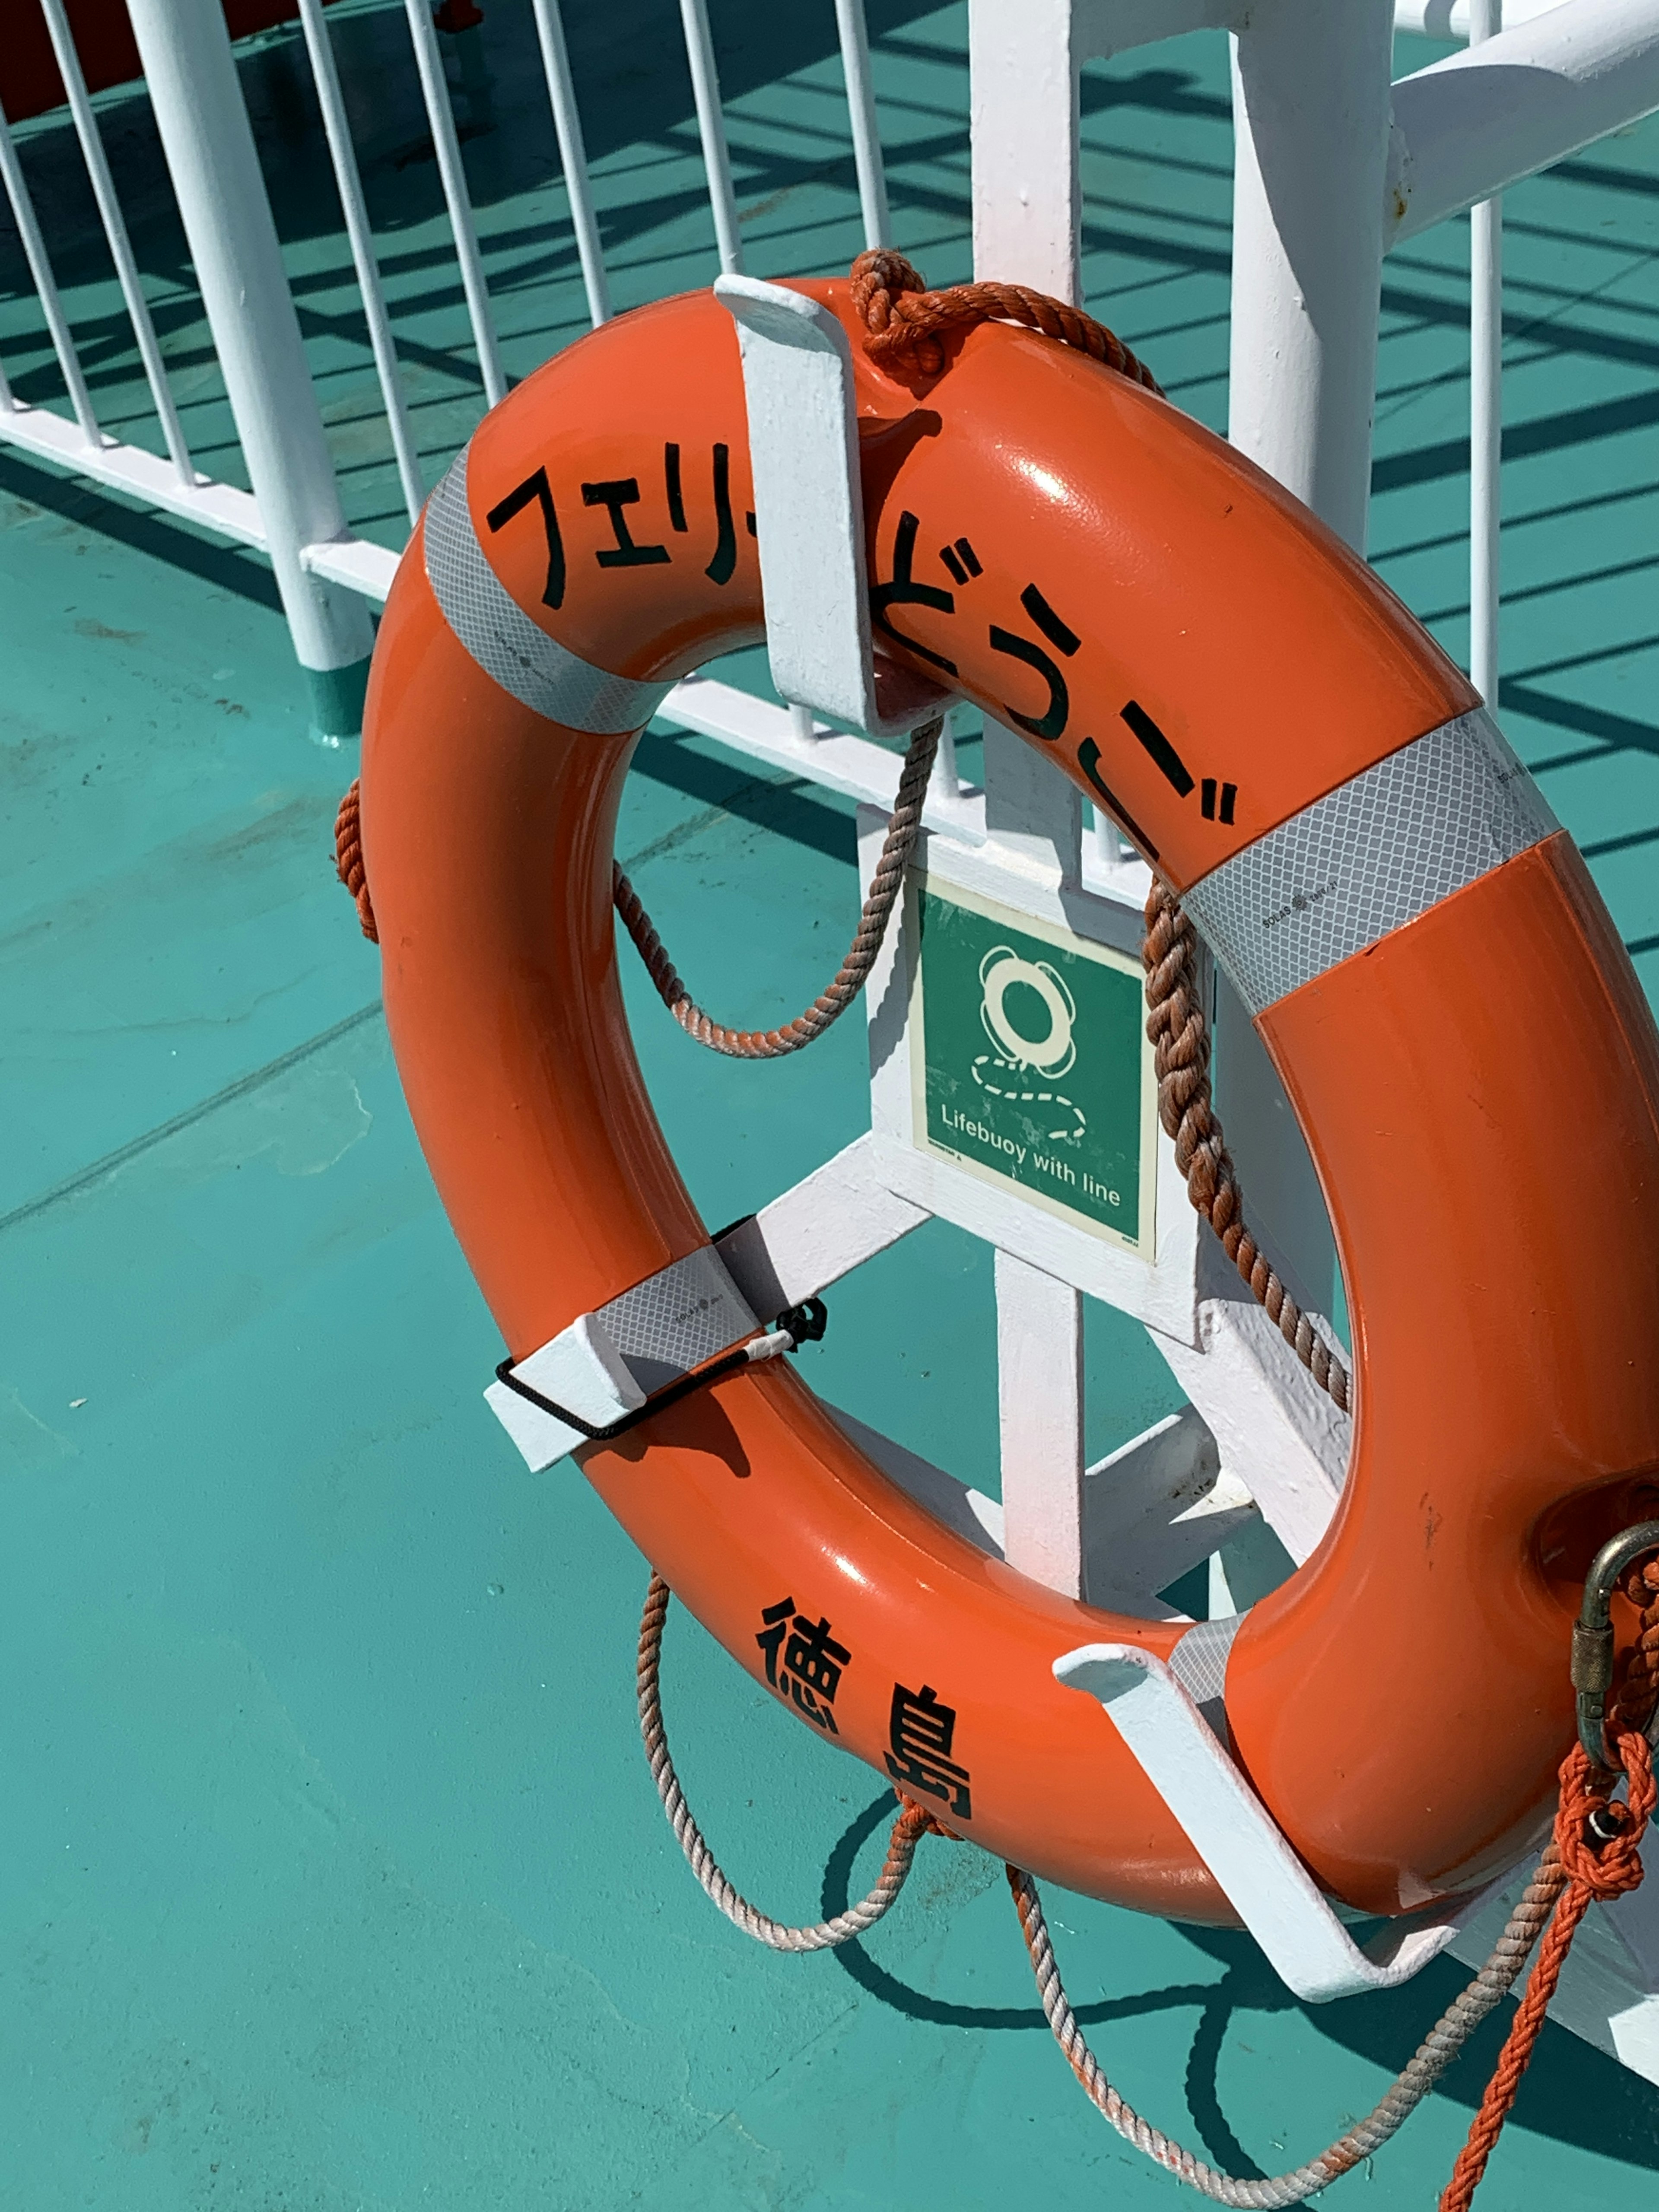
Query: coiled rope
{"type": "Point", "coordinates": [912, 1823]}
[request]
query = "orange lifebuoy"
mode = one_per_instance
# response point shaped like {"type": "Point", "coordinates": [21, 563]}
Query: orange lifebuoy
{"type": "Point", "coordinates": [1431, 969]}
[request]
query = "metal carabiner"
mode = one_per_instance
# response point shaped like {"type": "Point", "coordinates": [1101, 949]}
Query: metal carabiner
{"type": "Point", "coordinates": [1592, 1636]}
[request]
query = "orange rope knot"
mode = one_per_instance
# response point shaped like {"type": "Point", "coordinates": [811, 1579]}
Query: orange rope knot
{"type": "Point", "coordinates": [1598, 1843]}
{"type": "Point", "coordinates": [905, 323]}
{"type": "Point", "coordinates": [1598, 1839]}
{"type": "Point", "coordinates": [349, 858]}
{"type": "Point", "coordinates": [925, 1823]}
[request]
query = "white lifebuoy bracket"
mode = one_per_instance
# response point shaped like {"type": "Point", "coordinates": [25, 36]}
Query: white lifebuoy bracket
{"type": "Point", "coordinates": [1238, 1840]}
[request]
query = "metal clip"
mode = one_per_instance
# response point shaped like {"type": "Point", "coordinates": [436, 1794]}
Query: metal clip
{"type": "Point", "coordinates": [1592, 1634]}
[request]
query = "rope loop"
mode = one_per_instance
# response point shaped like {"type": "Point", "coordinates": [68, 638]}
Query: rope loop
{"type": "Point", "coordinates": [850, 978]}
{"type": "Point", "coordinates": [912, 1823]}
{"type": "Point", "coordinates": [906, 324]}
{"type": "Point", "coordinates": [349, 857]}
{"type": "Point", "coordinates": [1434, 2054]}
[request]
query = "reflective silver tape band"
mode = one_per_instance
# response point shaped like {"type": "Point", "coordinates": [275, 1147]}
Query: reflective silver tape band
{"type": "Point", "coordinates": [539, 671]}
{"type": "Point", "coordinates": [674, 1321]}
{"type": "Point", "coordinates": [1369, 858]}
{"type": "Point", "coordinates": [1199, 1663]}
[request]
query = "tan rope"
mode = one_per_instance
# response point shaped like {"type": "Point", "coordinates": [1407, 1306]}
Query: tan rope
{"type": "Point", "coordinates": [831, 1004]}
{"type": "Point", "coordinates": [1181, 1040]}
{"type": "Point", "coordinates": [909, 1829]}
{"type": "Point", "coordinates": [1592, 1853]}
{"type": "Point", "coordinates": [1434, 2054]}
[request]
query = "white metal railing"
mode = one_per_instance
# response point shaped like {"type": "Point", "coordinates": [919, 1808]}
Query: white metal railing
{"type": "Point", "coordinates": [343, 156]}
{"type": "Point", "coordinates": [186, 55]}
{"type": "Point", "coordinates": [1593, 64]}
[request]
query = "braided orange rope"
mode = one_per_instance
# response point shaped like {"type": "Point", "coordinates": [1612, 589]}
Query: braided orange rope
{"type": "Point", "coordinates": [349, 858]}
{"type": "Point", "coordinates": [905, 323]}
{"type": "Point", "coordinates": [1598, 1843]}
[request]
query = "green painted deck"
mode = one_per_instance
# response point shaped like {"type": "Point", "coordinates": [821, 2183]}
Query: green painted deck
{"type": "Point", "coordinates": [331, 1877]}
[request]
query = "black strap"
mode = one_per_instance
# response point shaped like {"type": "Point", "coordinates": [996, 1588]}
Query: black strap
{"type": "Point", "coordinates": [804, 1324]}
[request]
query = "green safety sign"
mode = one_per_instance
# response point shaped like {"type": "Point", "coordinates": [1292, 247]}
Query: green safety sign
{"type": "Point", "coordinates": [1030, 1062]}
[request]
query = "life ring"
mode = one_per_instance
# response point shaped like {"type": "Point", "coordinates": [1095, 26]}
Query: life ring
{"type": "Point", "coordinates": [1433, 973]}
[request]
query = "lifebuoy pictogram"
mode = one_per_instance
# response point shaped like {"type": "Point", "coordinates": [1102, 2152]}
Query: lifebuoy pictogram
{"type": "Point", "coordinates": [1460, 1030]}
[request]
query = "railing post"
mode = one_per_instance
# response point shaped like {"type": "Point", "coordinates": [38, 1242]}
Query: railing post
{"type": "Point", "coordinates": [1311, 119]}
{"type": "Point", "coordinates": [209, 143]}
{"type": "Point", "coordinates": [1024, 100]}
{"type": "Point", "coordinates": [1486, 405]}
{"type": "Point", "coordinates": [1310, 116]}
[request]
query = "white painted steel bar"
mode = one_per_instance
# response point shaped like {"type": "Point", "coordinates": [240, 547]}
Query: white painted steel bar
{"type": "Point", "coordinates": [209, 143]}
{"type": "Point", "coordinates": [1109, 846]}
{"type": "Point", "coordinates": [1451, 18]}
{"type": "Point", "coordinates": [852, 766]}
{"type": "Point", "coordinates": [711, 129]}
{"type": "Point", "coordinates": [854, 32]}
{"type": "Point", "coordinates": [348, 183]}
{"type": "Point", "coordinates": [1023, 58]}
{"type": "Point", "coordinates": [34, 249]}
{"type": "Point", "coordinates": [1237, 1837]}
{"type": "Point", "coordinates": [944, 780]}
{"type": "Point", "coordinates": [1486, 405]}
{"type": "Point", "coordinates": [115, 231]}
{"type": "Point", "coordinates": [136, 472]}
{"type": "Point", "coordinates": [441, 120]}
{"type": "Point", "coordinates": [1023, 122]}
{"type": "Point", "coordinates": [1313, 144]}
{"type": "Point", "coordinates": [803, 450]}
{"type": "Point", "coordinates": [572, 158]}
{"type": "Point", "coordinates": [1480, 121]}
{"type": "Point", "coordinates": [1039, 1418]}
{"type": "Point", "coordinates": [1310, 115]}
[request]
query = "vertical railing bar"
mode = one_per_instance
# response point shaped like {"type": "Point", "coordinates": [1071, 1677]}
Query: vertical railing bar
{"type": "Point", "coordinates": [573, 157]}
{"type": "Point", "coordinates": [34, 249]}
{"type": "Point", "coordinates": [441, 117]}
{"type": "Point", "coordinates": [861, 107]}
{"type": "Point", "coordinates": [1486, 407]}
{"type": "Point", "coordinates": [115, 231]}
{"type": "Point", "coordinates": [348, 182]}
{"type": "Point", "coordinates": [1109, 846]}
{"type": "Point", "coordinates": [711, 129]}
{"type": "Point", "coordinates": [943, 781]}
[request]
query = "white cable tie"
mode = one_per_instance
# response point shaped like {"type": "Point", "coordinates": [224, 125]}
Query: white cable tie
{"type": "Point", "coordinates": [770, 1345]}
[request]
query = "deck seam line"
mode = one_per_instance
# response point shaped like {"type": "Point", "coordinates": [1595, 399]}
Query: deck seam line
{"type": "Point", "coordinates": [111, 1161]}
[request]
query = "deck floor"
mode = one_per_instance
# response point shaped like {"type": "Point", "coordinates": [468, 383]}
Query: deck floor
{"type": "Point", "coordinates": [331, 1875]}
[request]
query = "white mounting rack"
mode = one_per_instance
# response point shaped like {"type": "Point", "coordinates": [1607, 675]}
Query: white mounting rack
{"type": "Point", "coordinates": [1026, 860]}
{"type": "Point", "coordinates": [1232, 1831]}
{"type": "Point", "coordinates": [1250, 1474]}
{"type": "Point", "coordinates": [802, 448]}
